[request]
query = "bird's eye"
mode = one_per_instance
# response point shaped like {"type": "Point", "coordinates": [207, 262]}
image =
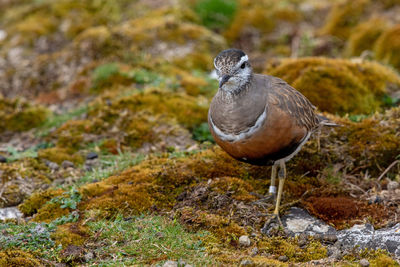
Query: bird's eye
{"type": "Point", "coordinates": [243, 65]}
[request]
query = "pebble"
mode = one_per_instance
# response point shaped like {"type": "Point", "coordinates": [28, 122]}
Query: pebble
{"type": "Point", "coordinates": [52, 165]}
{"type": "Point", "coordinates": [246, 263]}
{"type": "Point", "coordinates": [67, 164]}
{"type": "Point", "coordinates": [88, 256]}
{"type": "Point", "coordinates": [392, 185]}
{"type": "Point", "coordinates": [283, 258]}
{"type": "Point", "coordinates": [170, 264]}
{"type": "Point", "coordinates": [3, 159]}
{"type": "Point", "coordinates": [364, 263]}
{"type": "Point", "coordinates": [92, 155]}
{"type": "Point", "coordinates": [244, 240]}
{"type": "Point", "coordinates": [254, 251]}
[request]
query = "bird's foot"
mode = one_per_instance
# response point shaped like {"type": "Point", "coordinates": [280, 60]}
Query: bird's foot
{"type": "Point", "coordinates": [273, 225]}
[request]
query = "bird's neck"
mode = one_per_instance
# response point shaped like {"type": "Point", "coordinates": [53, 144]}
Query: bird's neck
{"type": "Point", "coordinates": [238, 92]}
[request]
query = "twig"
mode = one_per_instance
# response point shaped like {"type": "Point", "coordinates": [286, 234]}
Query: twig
{"type": "Point", "coordinates": [387, 169]}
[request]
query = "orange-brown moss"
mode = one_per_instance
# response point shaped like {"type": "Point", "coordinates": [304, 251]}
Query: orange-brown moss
{"type": "Point", "coordinates": [364, 36]}
{"type": "Point", "coordinates": [343, 17]}
{"type": "Point", "coordinates": [280, 246]}
{"type": "Point", "coordinates": [31, 205]}
{"type": "Point", "coordinates": [222, 227]}
{"type": "Point", "coordinates": [49, 212]}
{"type": "Point", "coordinates": [388, 45]}
{"type": "Point", "coordinates": [19, 115]}
{"type": "Point", "coordinates": [59, 154]}
{"type": "Point", "coordinates": [239, 189]}
{"type": "Point", "coordinates": [70, 234]}
{"type": "Point", "coordinates": [18, 258]}
{"type": "Point", "coordinates": [336, 85]}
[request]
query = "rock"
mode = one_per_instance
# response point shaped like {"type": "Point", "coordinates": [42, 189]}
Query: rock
{"type": "Point", "coordinates": [3, 159]}
{"type": "Point", "coordinates": [244, 241]}
{"type": "Point", "coordinates": [299, 221]}
{"type": "Point", "coordinates": [334, 253]}
{"type": "Point", "coordinates": [246, 263]}
{"type": "Point", "coordinates": [10, 213]}
{"type": "Point", "coordinates": [67, 164]}
{"type": "Point", "coordinates": [364, 263]}
{"type": "Point", "coordinates": [88, 256]}
{"type": "Point", "coordinates": [392, 185]}
{"type": "Point", "coordinates": [170, 264]}
{"type": "Point", "coordinates": [365, 236]}
{"type": "Point", "coordinates": [254, 251]}
{"type": "Point", "coordinates": [283, 258]}
{"type": "Point", "coordinates": [92, 155]}
{"type": "Point", "coordinates": [52, 165]}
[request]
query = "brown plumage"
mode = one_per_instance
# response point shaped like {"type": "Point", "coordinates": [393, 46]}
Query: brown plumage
{"type": "Point", "coordinates": [259, 119]}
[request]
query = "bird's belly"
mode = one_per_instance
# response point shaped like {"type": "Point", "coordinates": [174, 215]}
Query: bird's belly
{"type": "Point", "coordinates": [273, 141]}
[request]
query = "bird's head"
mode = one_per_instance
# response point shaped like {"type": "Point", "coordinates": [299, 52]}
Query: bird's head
{"type": "Point", "coordinates": [233, 70]}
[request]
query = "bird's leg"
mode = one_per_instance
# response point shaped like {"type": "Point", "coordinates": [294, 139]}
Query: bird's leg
{"type": "Point", "coordinates": [272, 187]}
{"type": "Point", "coordinates": [282, 177]}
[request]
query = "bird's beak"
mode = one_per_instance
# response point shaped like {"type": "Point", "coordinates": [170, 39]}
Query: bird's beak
{"type": "Point", "coordinates": [223, 80]}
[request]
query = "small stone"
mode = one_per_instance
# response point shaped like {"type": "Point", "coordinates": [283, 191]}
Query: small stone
{"type": "Point", "coordinates": [92, 155]}
{"type": "Point", "coordinates": [88, 256]}
{"type": "Point", "coordinates": [67, 164]}
{"type": "Point", "coordinates": [283, 258]}
{"type": "Point", "coordinates": [170, 264]}
{"type": "Point", "coordinates": [246, 263]}
{"type": "Point", "coordinates": [3, 159]}
{"type": "Point", "coordinates": [244, 240]}
{"type": "Point", "coordinates": [392, 185]}
{"type": "Point", "coordinates": [364, 263]}
{"type": "Point", "coordinates": [52, 165]}
{"type": "Point", "coordinates": [254, 251]}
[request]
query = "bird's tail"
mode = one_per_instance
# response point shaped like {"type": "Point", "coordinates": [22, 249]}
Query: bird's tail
{"type": "Point", "coordinates": [324, 121]}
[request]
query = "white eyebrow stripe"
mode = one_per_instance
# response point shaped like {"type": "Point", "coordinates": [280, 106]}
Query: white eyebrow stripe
{"type": "Point", "coordinates": [242, 59]}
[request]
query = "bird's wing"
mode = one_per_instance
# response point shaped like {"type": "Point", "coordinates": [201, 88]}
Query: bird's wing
{"type": "Point", "coordinates": [294, 103]}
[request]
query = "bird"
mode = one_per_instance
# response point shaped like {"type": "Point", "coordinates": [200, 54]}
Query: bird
{"type": "Point", "coordinates": [260, 119]}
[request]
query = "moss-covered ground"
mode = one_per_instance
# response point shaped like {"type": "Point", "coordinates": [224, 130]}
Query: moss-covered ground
{"type": "Point", "coordinates": [105, 148]}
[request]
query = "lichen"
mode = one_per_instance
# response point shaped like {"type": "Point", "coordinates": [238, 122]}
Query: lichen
{"type": "Point", "coordinates": [338, 85]}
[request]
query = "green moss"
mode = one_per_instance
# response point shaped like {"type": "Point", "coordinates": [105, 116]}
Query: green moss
{"type": "Point", "coordinates": [343, 17]}
{"type": "Point", "coordinates": [216, 14]}
{"type": "Point", "coordinates": [18, 258]}
{"type": "Point", "coordinates": [364, 36]}
{"type": "Point", "coordinates": [337, 85]}
{"type": "Point", "coordinates": [70, 234]}
{"type": "Point", "coordinates": [388, 45]}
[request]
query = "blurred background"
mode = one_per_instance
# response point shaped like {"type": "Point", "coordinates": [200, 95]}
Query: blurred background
{"type": "Point", "coordinates": [89, 88]}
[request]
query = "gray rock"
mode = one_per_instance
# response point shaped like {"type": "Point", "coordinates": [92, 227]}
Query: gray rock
{"type": "Point", "coordinates": [10, 213]}
{"type": "Point", "coordinates": [254, 251]}
{"type": "Point", "coordinates": [364, 263]}
{"type": "Point", "coordinates": [246, 263]}
{"type": "Point", "coordinates": [170, 264]}
{"type": "Point", "coordinates": [334, 253]}
{"type": "Point", "coordinates": [299, 221]}
{"type": "Point", "coordinates": [67, 164]}
{"type": "Point", "coordinates": [365, 236]}
{"type": "Point", "coordinates": [392, 185]}
{"type": "Point", "coordinates": [283, 258]}
{"type": "Point", "coordinates": [52, 165]}
{"type": "Point", "coordinates": [92, 155]}
{"type": "Point", "coordinates": [244, 240]}
{"type": "Point", "coordinates": [3, 159]}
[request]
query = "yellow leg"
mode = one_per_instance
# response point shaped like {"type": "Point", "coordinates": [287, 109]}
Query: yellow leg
{"type": "Point", "coordinates": [272, 187]}
{"type": "Point", "coordinates": [282, 177]}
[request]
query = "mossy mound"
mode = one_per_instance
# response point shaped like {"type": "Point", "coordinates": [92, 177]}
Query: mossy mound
{"type": "Point", "coordinates": [18, 258]}
{"type": "Point", "coordinates": [364, 36]}
{"type": "Point", "coordinates": [343, 17]}
{"type": "Point", "coordinates": [20, 115]}
{"type": "Point", "coordinates": [387, 47]}
{"type": "Point", "coordinates": [338, 85]}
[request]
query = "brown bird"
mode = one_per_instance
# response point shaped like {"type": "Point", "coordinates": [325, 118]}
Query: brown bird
{"type": "Point", "coordinates": [259, 119]}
